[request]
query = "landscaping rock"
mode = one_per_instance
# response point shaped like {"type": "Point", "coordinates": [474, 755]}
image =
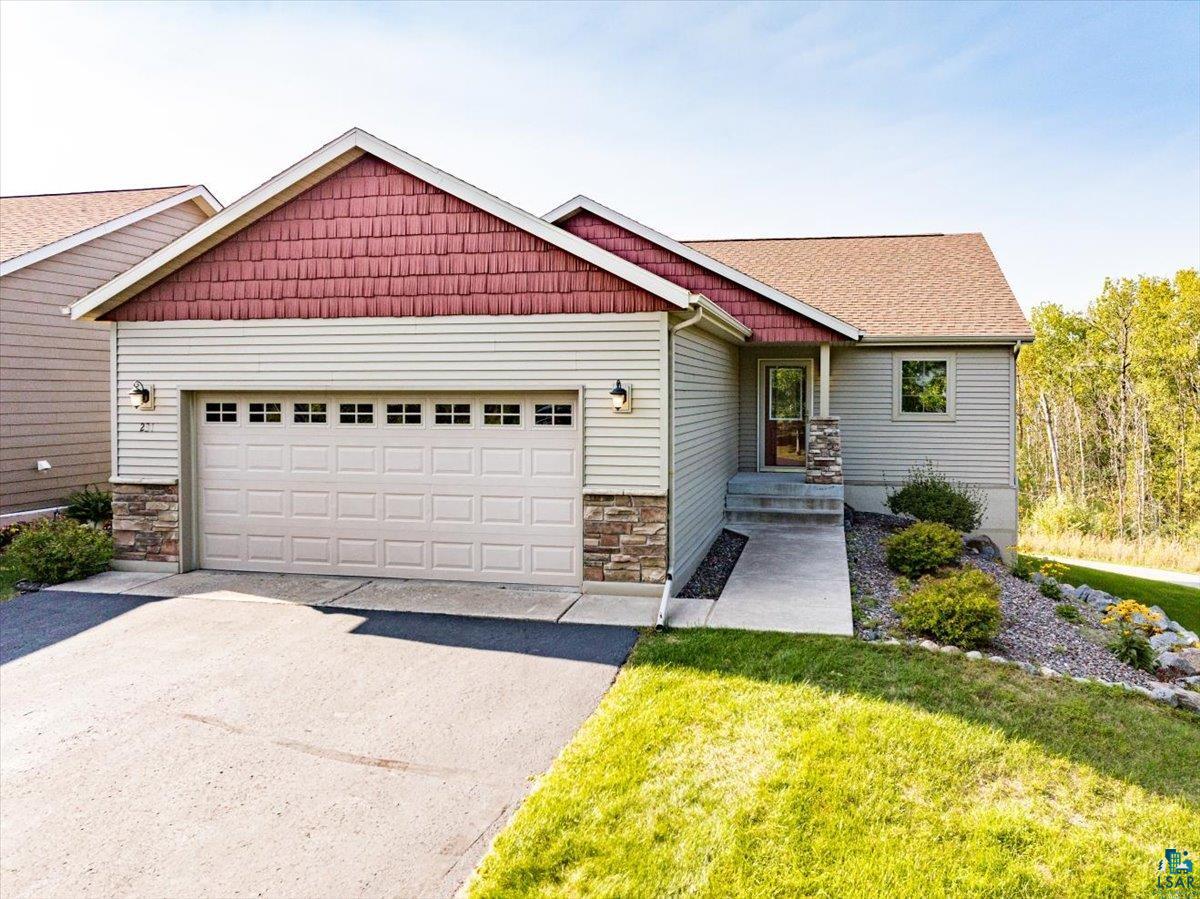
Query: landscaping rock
{"type": "Point", "coordinates": [984, 547]}
{"type": "Point", "coordinates": [1180, 664]}
{"type": "Point", "coordinates": [930, 645]}
{"type": "Point", "coordinates": [1187, 699]}
{"type": "Point", "coordinates": [1163, 694]}
{"type": "Point", "coordinates": [999, 660]}
{"type": "Point", "coordinates": [1166, 641]}
{"type": "Point", "coordinates": [974, 655]}
{"type": "Point", "coordinates": [952, 650]}
{"type": "Point", "coordinates": [1067, 591]}
{"type": "Point", "coordinates": [1048, 672]}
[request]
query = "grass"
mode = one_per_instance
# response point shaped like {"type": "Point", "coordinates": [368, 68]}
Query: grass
{"type": "Point", "coordinates": [1152, 552]}
{"type": "Point", "coordinates": [1179, 602]}
{"type": "Point", "coordinates": [727, 763]}
{"type": "Point", "coordinates": [8, 578]}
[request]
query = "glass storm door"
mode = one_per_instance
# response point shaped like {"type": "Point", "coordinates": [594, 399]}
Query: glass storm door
{"type": "Point", "coordinates": [785, 408]}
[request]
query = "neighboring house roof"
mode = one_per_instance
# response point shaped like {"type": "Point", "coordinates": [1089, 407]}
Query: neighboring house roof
{"type": "Point", "coordinates": [317, 167]}
{"type": "Point", "coordinates": [33, 228]}
{"type": "Point", "coordinates": [901, 286]}
{"type": "Point", "coordinates": [581, 204]}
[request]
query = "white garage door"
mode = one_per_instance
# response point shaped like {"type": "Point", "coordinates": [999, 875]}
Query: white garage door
{"type": "Point", "coordinates": [477, 487]}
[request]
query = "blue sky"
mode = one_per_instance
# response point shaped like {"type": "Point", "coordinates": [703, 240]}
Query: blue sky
{"type": "Point", "coordinates": [1068, 133]}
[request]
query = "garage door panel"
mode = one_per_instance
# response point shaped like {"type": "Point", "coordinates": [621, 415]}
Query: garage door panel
{"type": "Point", "coordinates": [470, 502]}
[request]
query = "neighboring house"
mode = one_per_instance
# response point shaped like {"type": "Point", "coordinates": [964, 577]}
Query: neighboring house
{"type": "Point", "coordinates": [55, 406]}
{"type": "Point", "coordinates": [369, 367]}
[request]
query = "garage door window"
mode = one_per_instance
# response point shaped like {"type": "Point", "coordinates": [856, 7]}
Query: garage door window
{"type": "Point", "coordinates": [356, 413]}
{"type": "Point", "coordinates": [265, 413]}
{"type": "Point", "coordinates": [308, 413]}
{"type": "Point", "coordinates": [404, 413]}
{"type": "Point", "coordinates": [502, 414]}
{"type": "Point", "coordinates": [220, 412]}
{"type": "Point", "coordinates": [552, 414]}
{"type": "Point", "coordinates": [452, 413]}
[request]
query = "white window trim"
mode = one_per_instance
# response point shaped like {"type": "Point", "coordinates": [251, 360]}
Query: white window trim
{"type": "Point", "coordinates": [898, 360]}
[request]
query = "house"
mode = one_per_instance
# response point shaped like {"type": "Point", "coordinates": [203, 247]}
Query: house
{"type": "Point", "coordinates": [367, 366]}
{"type": "Point", "coordinates": [55, 405]}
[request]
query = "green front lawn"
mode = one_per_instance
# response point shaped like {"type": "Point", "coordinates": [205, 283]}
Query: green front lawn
{"type": "Point", "coordinates": [1181, 603]}
{"type": "Point", "coordinates": [726, 763]}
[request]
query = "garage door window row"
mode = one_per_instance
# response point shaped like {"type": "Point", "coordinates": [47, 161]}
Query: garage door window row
{"type": "Point", "coordinates": [460, 414]}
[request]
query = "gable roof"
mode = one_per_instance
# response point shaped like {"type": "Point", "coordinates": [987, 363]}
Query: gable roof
{"type": "Point", "coordinates": [938, 286]}
{"type": "Point", "coordinates": [586, 204]}
{"type": "Point", "coordinates": [319, 165]}
{"type": "Point", "coordinates": [36, 227]}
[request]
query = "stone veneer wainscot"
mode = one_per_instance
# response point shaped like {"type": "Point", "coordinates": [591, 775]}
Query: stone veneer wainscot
{"type": "Point", "coordinates": [824, 457]}
{"type": "Point", "coordinates": [146, 522]}
{"type": "Point", "coordinates": [624, 538]}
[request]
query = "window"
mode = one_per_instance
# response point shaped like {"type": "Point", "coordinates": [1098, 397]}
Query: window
{"type": "Point", "coordinates": [265, 413]}
{"type": "Point", "coordinates": [552, 414]}
{"type": "Point", "coordinates": [452, 413]}
{"type": "Point", "coordinates": [308, 413]}
{"type": "Point", "coordinates": [356, 413]}
{"type": "Point", "coordinates": [223, 412]}
{"type": "Point", "coordinates": [923, 386]}
{"type": "Point", "coordinates": [502, 413]}
{"type": "Point", "coordinates": [404, 413]}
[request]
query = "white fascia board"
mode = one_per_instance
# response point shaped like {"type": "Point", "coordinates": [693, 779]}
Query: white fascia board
{"type": "Point", "coordinates": [206, 201]}
{"type": "Point", "coordinates": [723, 319]}
{"type": "Point", "coordinates": [582, 203]}
{"type": "Point", "coordinates": [336, 154]}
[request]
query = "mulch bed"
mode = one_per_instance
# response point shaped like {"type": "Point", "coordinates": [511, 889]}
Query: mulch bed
{"type": "Point", "coordinates": [710, 577]}
{"type": "Point", "coordinates": [1030, 630]}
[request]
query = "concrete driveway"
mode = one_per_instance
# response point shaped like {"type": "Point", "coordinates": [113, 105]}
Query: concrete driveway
{"type": "Point", "coordinates": [191, 746]}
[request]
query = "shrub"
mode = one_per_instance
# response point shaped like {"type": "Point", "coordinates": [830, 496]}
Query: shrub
{"type": "Point", "coordinates": [1131, 615]}
{"type": "Point", "coordinates": [1049, 588]}
{"type": "Point", "coordinates": [90, 505]}
{"type": "Point", "coordinates": [962, 608]}
{"type": "Point", "coordinates": [922, 547]}
{"type": "Point", "coordinates": [928, 495]}
{"type": "Point", "coordinates": [1133, 649]}
{"type": "Point", "coordinates": [59, 550]}
{"type": "Point", "coordinates": [1021, 568]}
{"type": "Point", "coordinates": [1068, 612]}
{"type": "Point", "coordinates": [1061, 515]}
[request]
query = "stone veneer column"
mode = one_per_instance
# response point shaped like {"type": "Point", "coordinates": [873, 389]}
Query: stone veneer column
{"type": "Point", "coordinates": [824, 457]}
{"type": "Point", "coordinates": [624, 538]}
{"type": "Point", "coordinates": [146, 522]}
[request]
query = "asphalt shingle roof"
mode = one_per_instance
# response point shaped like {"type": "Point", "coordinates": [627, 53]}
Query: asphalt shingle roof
{"type": "Point", "coordinates": [921, 285]}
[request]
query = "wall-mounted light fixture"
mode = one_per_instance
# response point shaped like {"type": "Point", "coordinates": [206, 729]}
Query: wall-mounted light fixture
{"type": "Point", "coordinates": [141, 397]}
{"type": "Point", "coordinates": [622, 398]}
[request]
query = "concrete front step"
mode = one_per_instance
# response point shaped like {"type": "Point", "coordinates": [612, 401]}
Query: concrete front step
{"type": "Point", "coordinates": [777, 516]}
{"type": "Point", "coordinates": [744, 502]}
{"type": "Point", "coordinates": [774, 484]}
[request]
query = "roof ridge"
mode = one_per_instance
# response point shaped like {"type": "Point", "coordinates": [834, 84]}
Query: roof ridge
{"type": "Point", "coordinates": [830, 237]}
{"type": "Point", "coordinates": [112, 190]}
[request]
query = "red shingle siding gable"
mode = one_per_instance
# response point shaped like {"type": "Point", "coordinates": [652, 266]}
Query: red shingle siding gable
{"type": "Point", "coordinates": [372, 240]}
{"type": "Point", "coordinates": [770, 322]}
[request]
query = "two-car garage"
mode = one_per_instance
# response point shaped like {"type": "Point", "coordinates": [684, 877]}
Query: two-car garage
{"type": "Point", "coordinates": [474, 487]}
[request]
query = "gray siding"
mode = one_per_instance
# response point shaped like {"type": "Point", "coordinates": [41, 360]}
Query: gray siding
{"type": "Point", "coordinates": [622, 453]}
{"type": "Point", "coordinates": [704, 404]}
{"type": "Point", "coordinates": [975, 447]}
{"type": "Point", "coordinates": [54, 372]}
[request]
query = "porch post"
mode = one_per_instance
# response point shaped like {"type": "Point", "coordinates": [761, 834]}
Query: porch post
{"type": "Point", "coordinates": [824, 380]}
{"type": "Point", "coordinates": [823, 461]}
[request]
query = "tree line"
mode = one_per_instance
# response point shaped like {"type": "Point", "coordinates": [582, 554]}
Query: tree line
{"type": "Point", "coordinates": [1109, 415]}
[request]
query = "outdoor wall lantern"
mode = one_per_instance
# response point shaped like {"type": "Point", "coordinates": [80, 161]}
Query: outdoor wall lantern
{"type": "Point", "coordinates": [141, 397]}
{"type": "Point", "coordinates": [622, 398]}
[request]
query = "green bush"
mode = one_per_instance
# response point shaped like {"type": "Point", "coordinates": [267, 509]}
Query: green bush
{"type": "Point", "coordinates": [1049, 588]}
{"type": "Point", "coordinates": [928, 495]}
{"type": "Point", "coordinates": [962, 608]}
{"type": "Point", "coordinates": [1133, 649]}
{"type": "Point", "coordinates": [1021, 567]}
{"type": "Point", "coordinates": [90, 505]}
{"type": "Point", "coordinates": [59, 550]}
{"type": "Point", "coordinates": [923, 547]}
{"type": "Point", "coordinates": [1068, 612]}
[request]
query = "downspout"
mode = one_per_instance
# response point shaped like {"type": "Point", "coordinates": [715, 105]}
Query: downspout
{"type": "Point", "coordinates": [661, 621]}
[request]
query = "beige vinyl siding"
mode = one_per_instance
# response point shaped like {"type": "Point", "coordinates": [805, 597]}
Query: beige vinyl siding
{"type": "Point", "coordinates": [748, 393]}
{"type": "Point", "coordinates": [704, 405]}
{"type": "Point", "coordinates": [54, 372]}
{"type": "Point", "coordinates": [621, 452]}
{"type": "Point", "coordinates": [975, 447]}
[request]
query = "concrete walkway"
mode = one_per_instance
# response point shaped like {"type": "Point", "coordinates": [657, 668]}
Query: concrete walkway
{"type": "Point", "coordinates": [791, 577]}
{"type": "Point", "coordinates": [1182, 578]}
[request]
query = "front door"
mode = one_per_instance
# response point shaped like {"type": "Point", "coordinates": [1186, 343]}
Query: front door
{"type": "Point", "coordinates": [785, 408]}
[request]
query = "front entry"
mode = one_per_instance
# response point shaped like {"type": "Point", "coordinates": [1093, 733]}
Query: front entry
{"type": "Point", "coordinates": [785, 409]}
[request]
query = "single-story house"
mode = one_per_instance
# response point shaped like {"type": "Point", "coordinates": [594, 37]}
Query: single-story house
{"type": "Point", "coordinates": [367, 366]}
{"type": "Point", "coordinates": [55, 401]}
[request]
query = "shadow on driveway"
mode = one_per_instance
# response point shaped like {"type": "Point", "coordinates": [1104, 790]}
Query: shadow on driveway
{"type": "Point", "coordinates": [37, 620]}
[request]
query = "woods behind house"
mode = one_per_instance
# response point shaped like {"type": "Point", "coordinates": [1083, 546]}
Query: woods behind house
{"type": "Point", "coordinates": [1109, 425]}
